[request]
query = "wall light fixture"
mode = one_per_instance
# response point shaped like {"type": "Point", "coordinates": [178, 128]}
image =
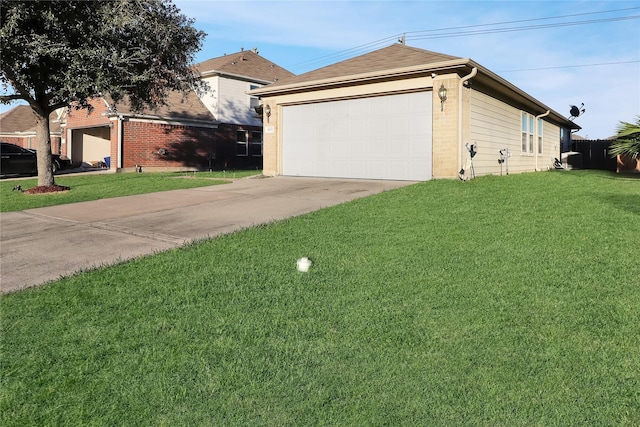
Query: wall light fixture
{"type": "Point", "coordinates": [442, 94]}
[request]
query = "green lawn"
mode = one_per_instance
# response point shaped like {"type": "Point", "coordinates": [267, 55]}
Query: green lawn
{"type": "Point", "coordinates": [92, 186]}
{"type": "Point", "coordinates": [502, 301]}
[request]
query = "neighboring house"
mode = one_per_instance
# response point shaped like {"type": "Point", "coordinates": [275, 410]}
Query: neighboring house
{"type": "Point", "coordinates": [178, 135]}
{"type": "Point", "coordinates": [230, 77]}
{"type": "Point", "coordinates": [18, 126]}
{"type": "Point", "coordinates": [380, 116]}
{"type": "Point", "coordinates": [220, 130]}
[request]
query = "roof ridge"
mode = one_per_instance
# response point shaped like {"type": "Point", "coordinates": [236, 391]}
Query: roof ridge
{"type": "Point", "coordinates": [394, 56]}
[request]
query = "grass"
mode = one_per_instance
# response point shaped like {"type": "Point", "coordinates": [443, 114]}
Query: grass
{"type": "Point", "coordinates": [500, 301]}
{"type": "Point", "coordinates": [102, 186]}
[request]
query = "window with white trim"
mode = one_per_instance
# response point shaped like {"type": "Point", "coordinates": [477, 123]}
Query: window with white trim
{"type": "Point", "coordinates": [254, 101]}
{"type": "Point", "coordinates": [242, 146]}
{"type": "Point", "coordinates": [527, 133]}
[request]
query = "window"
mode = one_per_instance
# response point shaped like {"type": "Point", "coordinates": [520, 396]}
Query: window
{"type": "Point", "coordinates": [527, 133]}
{"type": "Point", "coordinates": [256, 144]}
{"type": "Point", "coordinates": [242, 148]}
{"type": "Point", "coordinates": [540, 136]}
{"type": "Point", "coordinates": [531, 123]}
{"type": "Point", "coordinates": [565, 140]}
{"type": "Point", "coordinates": [254, 101]}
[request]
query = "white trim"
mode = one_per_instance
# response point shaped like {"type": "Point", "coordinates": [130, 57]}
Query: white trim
{"type": "Point", "coordinates": [214, 73]}
{"type": "Point", "coordinates": [152, 119]}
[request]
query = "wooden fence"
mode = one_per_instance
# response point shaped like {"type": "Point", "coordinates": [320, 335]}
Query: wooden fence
{"type": "Point", "coordinates": [595, 154]}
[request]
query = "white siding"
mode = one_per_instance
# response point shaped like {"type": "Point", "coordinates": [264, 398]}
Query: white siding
{"type": "Point", "coordinates": [228, 101]}
{"type": "Point", "coordinates": [233, 103]}
{"type": "Point", "coordinates": [495, 126]}
{"type": "Point", "coordinates": [551, 146]}
{"type": "Point", "coordinates": [210, 99]}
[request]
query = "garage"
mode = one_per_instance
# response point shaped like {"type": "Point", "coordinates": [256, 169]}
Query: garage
{"type": "Point", "coordinates": [90, 145]}
{"type": "Point", "coordinates": [381, 137]}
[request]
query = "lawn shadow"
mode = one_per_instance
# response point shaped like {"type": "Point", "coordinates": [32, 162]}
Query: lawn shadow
{"type": "Point", "coordinates": [626, 202]}
{"type": "Point", "coordinates": [621, 176]}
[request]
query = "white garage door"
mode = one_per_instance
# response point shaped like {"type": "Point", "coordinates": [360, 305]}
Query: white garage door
{"type": "Point", "coordinates": [385, 137]}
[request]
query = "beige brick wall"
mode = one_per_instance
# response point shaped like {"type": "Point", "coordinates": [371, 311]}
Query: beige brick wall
{"type": "Point", "coordinates": [445, 128]}
{"type": "Point", "coordinates": [270, 142]}
{"type": "Point", "coordinates": [446, 156]}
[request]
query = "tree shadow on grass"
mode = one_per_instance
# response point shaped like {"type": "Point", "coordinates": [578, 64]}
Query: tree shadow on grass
{"type": "Point", "coordinates": [626, 202]}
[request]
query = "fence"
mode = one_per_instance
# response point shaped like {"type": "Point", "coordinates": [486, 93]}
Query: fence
{"type": "Point", "coordinates": [595, 153]}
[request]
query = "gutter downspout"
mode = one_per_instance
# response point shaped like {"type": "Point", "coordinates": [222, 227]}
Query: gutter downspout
{"type": "Point", "coordinates": [469, 76]}
{"type": "Point", "coordinates": [537, 137]}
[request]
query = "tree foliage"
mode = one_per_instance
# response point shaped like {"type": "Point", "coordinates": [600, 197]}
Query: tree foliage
{"type": "Point", "coordinates": [627, 140]}
{"type": "Point", "coordinates": [63, 53]}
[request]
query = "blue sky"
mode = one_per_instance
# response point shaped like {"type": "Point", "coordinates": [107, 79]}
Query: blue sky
{"type": "Point", "coordinates": [560, 52]}
{"type": "Point", "coordinates": [588, 53]}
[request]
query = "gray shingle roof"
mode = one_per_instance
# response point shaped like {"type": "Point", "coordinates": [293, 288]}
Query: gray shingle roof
{"type": "Point", "coordinates": [22, 119]}
{"type": "Point", "coordinates": [388, 58]}
{"type": "Point", "coordinates": [246, 63]}
{"type": "Point", "coordinates": [177, 107]}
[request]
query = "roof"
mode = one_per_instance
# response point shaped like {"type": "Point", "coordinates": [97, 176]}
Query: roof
{"type": "Point", "coordinates": [391, 57]}
{"type": "Point", "coordinates": [399, 61]}
{"type": "Point", "coordinates": [21, 119]}
{"type": "Point", "coordinates": [178, 106]}
{"type": "Point", "coordinates": [247, 64]}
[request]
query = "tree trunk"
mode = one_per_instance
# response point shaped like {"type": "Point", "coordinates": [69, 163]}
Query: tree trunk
{"type": "Point", "coordinates": [43, 139]}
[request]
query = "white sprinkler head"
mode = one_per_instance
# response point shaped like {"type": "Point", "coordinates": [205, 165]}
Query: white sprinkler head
{"type": "Point", "coordinates": [303, 264]}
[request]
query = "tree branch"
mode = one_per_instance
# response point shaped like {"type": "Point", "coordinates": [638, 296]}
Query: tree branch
{"type": "Point", "coordinates": [21, 91]}
{"type": "Point", "coordinates": [5, 99]}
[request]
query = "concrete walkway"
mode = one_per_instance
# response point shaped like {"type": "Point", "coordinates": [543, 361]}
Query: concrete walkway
{"type": "Point", "coordinates": [39, 245]}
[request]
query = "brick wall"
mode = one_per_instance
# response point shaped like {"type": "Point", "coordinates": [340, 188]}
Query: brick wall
{"type": "Point", "coordinates": [30, 142]}
{"type": "Point", "coordinates": [84, 118]}
{"type": "Point", "coordinates": [162, 146]}
{"type": "Point", "coordinates": [445, 129]}
{"type": "Point", "coordinates": [168, 146]}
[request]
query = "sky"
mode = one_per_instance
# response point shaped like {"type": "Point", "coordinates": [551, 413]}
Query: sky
{"type": "Point", "coordinates": [562, 53]}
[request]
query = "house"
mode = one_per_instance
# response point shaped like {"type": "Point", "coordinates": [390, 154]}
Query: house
{"type": "Point", "coordinates": [219, 129]}
{"type": "Point", "coordinates": [406, 114]}
{"type": "Point", "coordinates": [18, 126]}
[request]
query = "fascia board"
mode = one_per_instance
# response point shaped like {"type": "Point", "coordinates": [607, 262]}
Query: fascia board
{"type": "Point", "coordinates": [363, 77]}
{"type": "Point", "coordinates": [214, 73]}
{"type": "Point", "coordinates": [163, 120]}
{"type": "Point", "coordinates": [557, 117]}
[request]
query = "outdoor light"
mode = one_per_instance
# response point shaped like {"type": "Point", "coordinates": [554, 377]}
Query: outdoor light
{"type": "Point", "coordinates": [442, 93]}
{"type": "Point", "coordinates": [267, 111]}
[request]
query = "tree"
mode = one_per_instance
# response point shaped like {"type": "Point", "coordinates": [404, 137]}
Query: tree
{"type": "Point", "coordinates": [627, 140]}
{"type": "Point", "coordinates": [64, 53]}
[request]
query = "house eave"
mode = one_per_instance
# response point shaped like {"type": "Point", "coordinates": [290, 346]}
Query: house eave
{"type": "Point", "coordinates": [461, 66]}
{"type": "Point", "coordinates": [25, 134]}
{"type": "Point", "coordinates": [214, 73]}
{"type": "Point", "coordinates": [176, 121]}
{"type": "Point", "coordinates": [502, 86]}
{"type": "Point", "coordinates": [389, 74]}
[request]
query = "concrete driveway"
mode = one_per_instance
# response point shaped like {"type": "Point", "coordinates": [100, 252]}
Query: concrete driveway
{"type": "Point", "coordinates": [39, 245]}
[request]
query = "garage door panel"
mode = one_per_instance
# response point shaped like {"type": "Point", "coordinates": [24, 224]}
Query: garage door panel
{"type": "Point", "coordinates": [387, 137]}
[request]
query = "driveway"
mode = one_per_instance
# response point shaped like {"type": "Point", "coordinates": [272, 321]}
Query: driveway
{"type": "Point", "coordinates": [39, 245]}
